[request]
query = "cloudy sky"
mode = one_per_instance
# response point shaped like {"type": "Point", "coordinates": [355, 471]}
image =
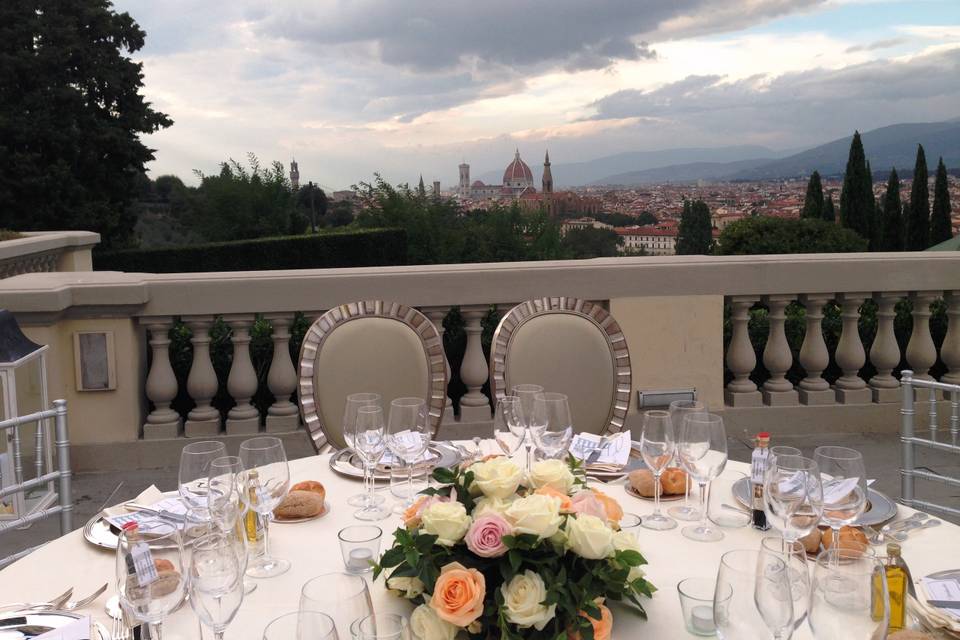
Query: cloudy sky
{"type": "Point", "coordinates": [350, 87]}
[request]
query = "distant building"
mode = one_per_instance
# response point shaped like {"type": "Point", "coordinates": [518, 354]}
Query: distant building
{"type": "Point", "coordinates": [517, 180]}
{"type": "Point", "coordinates": [659, 240]}
{"type": "Point", "coordinates": [342, 196]}
{"type": "Point", "coordinates": [582, 223]}
{"type": "Point", "coordinates": [294, 174]}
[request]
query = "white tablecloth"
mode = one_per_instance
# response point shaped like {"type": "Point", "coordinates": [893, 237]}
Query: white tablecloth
{"type": "Point", "coordinates": [313, 549]}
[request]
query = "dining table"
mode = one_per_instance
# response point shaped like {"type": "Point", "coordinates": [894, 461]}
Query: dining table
{"type": "Point", "coordinates": [312, 547]}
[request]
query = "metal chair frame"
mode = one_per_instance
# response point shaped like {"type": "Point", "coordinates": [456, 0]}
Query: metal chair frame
{"type": "Point", "coordinates": [910, 441]}
{"type": "Point", "coordinates": [62, 476]}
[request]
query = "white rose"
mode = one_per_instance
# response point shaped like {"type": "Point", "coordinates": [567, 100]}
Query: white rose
{"type": "Point", "coordinates": [497, 506]}
{"type": "Point", "coordinates": [405, 587]}
{"type": "Point", "coordinates": [551, 473]}
{"type": "Point", "coordinates": [427, 625]}
{"type": "Point", "coordinates": [589, 537]}
{"type": "Point", "coordinates": [626, 541]}
{"type": "Point", "coordinates": [497, 477]}
{"type": "Point", "coordinates": [522, 598]}
{"type": "Point", "coordinates": [446, 520]}
{"type": "Point", "coordinates": [536, 514]}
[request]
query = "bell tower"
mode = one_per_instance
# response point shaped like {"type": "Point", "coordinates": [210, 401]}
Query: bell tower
{"type": "Point", "coordinates": [294, 174]}
{"type": "Point", "coordinates": [547, 175]}
{"type": "Point", "coordinates": [464, 186]}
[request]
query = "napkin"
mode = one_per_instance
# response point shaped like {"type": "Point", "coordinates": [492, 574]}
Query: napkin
{"type": "Point", "coordinates": [938, 618]}
{"type": "Point", "coordinates": [615, 449]}
{"type": "Point", "coordinates": [119, 515]}
{"type": "Point", "coordinates": [78, 630]}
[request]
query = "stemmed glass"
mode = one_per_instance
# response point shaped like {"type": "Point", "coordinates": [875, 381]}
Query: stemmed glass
{"type": "Point", "coordinates": [508, 424]}
{"type": "Point", "coordinates": [742, 603]}
{"type": "Point", "coordinates": [353, 402]}
{"type": "Point", "coordinates": [227, 510]}
{"type": "Point", "coordinates": [195, 459]}
{"type": "Point", "coordinates": [342, 596]}
{"type": "Point", "coordinates": [773, 595]}
{"type": "Point", "coordinates": [848, 595]}
{"type": "Point", "coordinates": [657, 447]}
{"type": "Point", "coordinates": [527, 394]}
{"type": "Point", "coordinates": [301, 625]}
{"type": "Point", "coordinates": [265, 481]}
{"type": "Point", "coordinates": [844, 482]}
{"type": "Point", "coordinates": [702, 449]}
{"type": "Point", "coordinates": [216, 582]}
{"type": "Point", "coordinates": [384, 626]}
{"type": "Point", "coordinates": [150, 572]}
{"type": "Point", "coordinates": [551, 424]}
{"type": "Point", "coordinates": [370, 444]}
{"type": "Point", "coordinates": [678, 409]}
{"type": "Point", "coordinates": [408, 436]}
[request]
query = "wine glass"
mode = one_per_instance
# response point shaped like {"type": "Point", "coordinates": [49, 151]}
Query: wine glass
{"type": "Point", "coordinates": [792, 495]}
{"type": "Point", "coordinates": [150, 572]}
{"type": "Point", "coordinates": [229, 514]}
{"type": "Point", "coordinates": [370, 444]}
{"type": "Point", "coordinates": [794, 556]}
{"type": "Point", "coordinates": [782, 450]}
{"type": "Point", "coordinates": [342, 596]}
{"type": "Point", "coordinates": [353, 402]}
{"type": "Point", "coordinates": [678, 409]}
{"type": "Point", "coordinates": [195, 462]}
{"type": "Point", "coordinates": [736, 607]}
{"type": "Point", "coordinates": [384, 626]}
{"type": "Point", "coordinates": [216, 582]}
{"type": "Point", "coordinates": [848, 595]}
{"type": "Point", "coordinates": [265, 480]}
{"type": "Point", "coordinates": [702, 449]}
{"type": "Point", "coordinates": [301, 625]}
{"type": "Point", "coordinates": [527, 394]}
{"type": "Point", "coordinates": [657, 447]}
{"type": "Point", "coordinates": [551, 424]}
{"type": "Point", "coordinates": [508, 424]}
{"type": "Point", "coordinates": [773, 593]}
{"type": "Point", "coordinates": [408, 437]}
{"type": "Point", "coordinates": [844, 481]}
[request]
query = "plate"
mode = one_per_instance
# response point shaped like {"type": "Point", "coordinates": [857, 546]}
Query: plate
{"type": "Point", "coordinates": [673, 497]}
{"type": "Point", "coordinates": [346, 462]}
{"type": "Point", "coordinates": [633, 463]}
{"type": "Point", "coordinates": [880, 507]}
{"type": "Point", "coordinates": [100, 533]}
{"type": "Point", "coordinates": [275, 519]}
{"type": "Point", "coordinates": [55, 619]}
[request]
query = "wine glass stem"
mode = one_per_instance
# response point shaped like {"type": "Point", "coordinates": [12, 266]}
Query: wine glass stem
{"type": "Point", "coordinates": [704, 497]}
{"type": "Point", "coordinates": [686, 491]}
{"type": "Point", "coordinates": [656, 494]}
{"type": "Point", "coordinates": [410, 482]}
{"type": "Point", "coordinates": [370, 483]}
{"type": "Point", "coordinates": [266, 536]}
{"type": "Point", "coordinates": [529, 460]}
{"type": "Point", "coordinates": [154, 630]}
{"type": "Point", "coordinates": [835, 544]}
{"type": "Point", "coordinates": [366, 482]}
{"type": "Point", "coordinates": [218, 635]}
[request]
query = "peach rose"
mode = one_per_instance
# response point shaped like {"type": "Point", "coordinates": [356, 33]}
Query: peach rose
{"type": "Point", "coordinates": [602, 628]}
{"type": "Point", "coordinates": [458, 594]}
{"type": "Point", "coordinates": [566, 505]}
{"type": "Point", "coordinates": [611, 506]}
{"type": "Point", "coordinates": [411, 516]}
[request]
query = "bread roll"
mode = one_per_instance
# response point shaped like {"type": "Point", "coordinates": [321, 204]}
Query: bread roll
{"type": "Point", "coordinates": [811, 541]}
{"type": "Point", "coordinates": [162, 564]}
{"type": "Point", "coordinates": [850, 538]}
{"type": "Point", "coordinates": [642, 482]}
{"type": "Point", "coordinates": [673, 481]}
{"type": "Point", "coordinates": [909, 634]}
{"type": "Point", "coordinates": [166, 583]}
{"type": "Point", "coordinates": [310, 485]}
{"type": "Point", "coordinates": [299, 504]}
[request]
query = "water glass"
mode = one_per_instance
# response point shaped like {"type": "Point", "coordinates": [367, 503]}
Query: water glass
{"type": "Point", "coordinates": [702, 450]}
{"type": "Point", "coordinates": [848, 596]}
{"type": "Point", "coordinates": [384, 626]}
{"type": "Point", "coordinates": [782, 450]}
{"type": "Point", "coordinates": [301, 625]}
{"type": "Point", "coordinates": [508, 424]}
{"type": "Point", "coordinates": [678, 409]}
{"type": "Point", "coordinates": [342, 596]}
{"type": "Point", "coordinates": [722, 511]}
{"type": "Point", "coordinates": [794, 556]}
{"type": "Point", "coordinates": [736, 608]}
{"type": "Point", "coordinates": [527, 393]}
{"type": "Point", "coordinates": [551, 424]}
{"type": "Point", "coordinates": [195, 459]}
{"type": "Point", "coordinates": [657, 447]}
{"type": "Point", "coordinates": [408, 437]}
{"type": "Point", "coordinates": [150, 572]}
{"type": "Point", "coordinates": [792, 496]}
{"type": "Point", "coordinates": [353, 402]}
{"type": "Point", "coordinates": [369, 441]}
{"type": "Point", "coordinates": [360, 547]}
{"type": "Point", "coordinates": [227, 509]}
{"type": "Point", "coordinates": [265, 481]}
{"type": "Point", "coordinates": [696, 602]}
{"type": "Point", "coordinates": [844, 482]}
{"type": "Point", "coordinates": [773, 594]}
{"type": "Point", "coordinates": [216, 582]}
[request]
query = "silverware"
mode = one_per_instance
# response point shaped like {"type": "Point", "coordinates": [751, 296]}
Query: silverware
{"type": "Point", "coordinates": [873, 536]}
{"type": "Point", "coordinates": [944, 604]}
{"type": "Point", "coordinates": [53, 603]}
{"type": "Point", "coordinates": [160, 513]}
{"type": "Point", "coordinates": [82, 602]}
{"type": "Point", "coordinates": [593, 457]}
{"type": "Point", "coordinates": [724, 505]}
{"type": "Point", "coordinates": [905, 532]}
{"type": "Point", "coordinates": [919, 516]}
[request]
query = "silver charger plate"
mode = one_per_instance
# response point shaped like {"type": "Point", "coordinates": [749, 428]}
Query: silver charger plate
{"type": "Point", "coordinates": [881, 508]}
{"type": "Point", "coordinates": [346, 462]}
{"type": "Point", "coordinates": [54, 619]}
{"type": "Point", "coordinates": [98, 532]}
{"type": "Point", "coordinates": [634, 462]}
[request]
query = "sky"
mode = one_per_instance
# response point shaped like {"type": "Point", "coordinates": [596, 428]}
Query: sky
{"type": "Point", "coordinates": [353, 87]}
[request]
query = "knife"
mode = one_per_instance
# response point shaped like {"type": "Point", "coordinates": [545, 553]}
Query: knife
{"type": "Point", "coordinates": [945, 604]}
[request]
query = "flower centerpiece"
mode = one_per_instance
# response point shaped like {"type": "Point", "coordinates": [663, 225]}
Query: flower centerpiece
{"type": "Point", "coordinates": [497, 555]}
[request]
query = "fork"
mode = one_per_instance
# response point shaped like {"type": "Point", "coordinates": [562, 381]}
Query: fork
{"type": "Point", "coordinates": [72, 604]}
{"type": "Point", "coordinates": [52, 604]}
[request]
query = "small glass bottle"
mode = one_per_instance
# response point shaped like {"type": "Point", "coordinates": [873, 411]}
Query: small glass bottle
{"type": "Point", "coordinates": [758, 467]}
{"type": "Point", "coordinates": [252, 523]}
{"type": "Point", "coordinates": [899, 582]}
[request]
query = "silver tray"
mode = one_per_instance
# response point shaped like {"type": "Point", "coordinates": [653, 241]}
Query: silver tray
{"type": "Point", "coordinates": [345, 462]}
{"type": "Point", "coordinates": [54, 619]}
{"type": "Point", "coordinates": [99, 533]}
{"type": "Point", "coordinates": [881, 508]}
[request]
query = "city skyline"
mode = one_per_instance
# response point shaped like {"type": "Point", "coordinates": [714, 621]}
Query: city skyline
{"type": "Point", "coordinates": [350, 89]}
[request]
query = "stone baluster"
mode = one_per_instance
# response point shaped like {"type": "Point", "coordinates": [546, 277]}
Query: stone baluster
{"type": "Point", "coordinates": [161, 387]}
{"type": "Point", "coordinates": [850, 387]}
{"type": "Point", "coordinates": [741, 359]}
{"type": "Point", "coordinates": [283, 414]}
{"type": "Point", "coordinates": [921, 352]}
{"type": "Point", "coordinates": [885, 352]}
{"type": "Point", "coordinates": [243, 418]}
{"type": "Point", "coordinates": [436, 317]}
{"type": "Point", "coordinates": [777, 358]}
{"type": "Point", "coordinates": [814, 357]}
{"type": "Point", "coordinates": [950, 349]}
{"type": "Point", "coordinates": [474, 406]}
{"type": "Point", "coordinates": [204, 419]}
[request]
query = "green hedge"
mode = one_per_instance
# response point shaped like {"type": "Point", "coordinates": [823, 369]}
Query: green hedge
{"type": "Point", "coordinates": [353, 248]}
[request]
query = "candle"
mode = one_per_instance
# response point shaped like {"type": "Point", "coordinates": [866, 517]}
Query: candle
{"type": "Point", "coordinates": [702, 619]}
{"type": "Point", "coordinates": [360, 559]}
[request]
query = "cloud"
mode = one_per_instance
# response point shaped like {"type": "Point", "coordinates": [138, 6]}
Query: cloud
{"type": "Point", "coordinates": [876, 45]}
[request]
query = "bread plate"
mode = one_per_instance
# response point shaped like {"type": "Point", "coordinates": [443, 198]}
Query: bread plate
{"type": "Point", "coordinates": [46, 620]}
{"type": "Point", "coordinates": [880, 508]}
{"type": "Point", "coordinates": [325, 511]}
{"type": "Point", "coordinates": [670, 497]}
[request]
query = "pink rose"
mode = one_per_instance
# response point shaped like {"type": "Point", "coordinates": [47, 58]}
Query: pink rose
{"type": "Point", "coordinates": [587, 503]}
{"type": "Point", "coordinates": [485, 536]}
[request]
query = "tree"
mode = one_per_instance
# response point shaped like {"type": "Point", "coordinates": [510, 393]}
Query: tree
{"type": "Point", "coordinates": [592, 243]}
{"type": "Point", "coordinates": [829, 212]}
{"type": "Point", "coordinates": [764, 235]}
{"type": "Point", "coordinates": [856, 196]}
{"type": "Point", "coordinates": [71, 114]}
{"type": "Point", "coordinates": [891, 224]}
{"type": "Point", "coordinates": [646, 219]}
{"type": "Point", "coordinates": [813, 202]}
{"type": "Point", "coordinates": [941, 227]}
{"type": "Point", "coordinates": [918, 222]}
{"type": "Point", "coordinates": [695, 233]}
{"type": "Point", "coordinates": [312, 203]}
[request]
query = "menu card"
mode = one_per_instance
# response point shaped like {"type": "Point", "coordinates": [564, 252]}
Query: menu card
{"type": "Point", "coordinates": [614, 450]}
{"type": "Point", "coordinates": [944, 592]}
{"type": "Point", "coordinates": [172, 506]}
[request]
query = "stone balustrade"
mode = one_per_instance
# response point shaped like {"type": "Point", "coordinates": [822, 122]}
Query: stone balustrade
{"type": "Point", "coordinates": [43, 251]}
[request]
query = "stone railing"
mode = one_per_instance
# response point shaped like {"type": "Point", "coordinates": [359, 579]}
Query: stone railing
{"type": "Point", "coordinates": [41, 251]}
{"type": "Point", "coordinates": [671, 309]}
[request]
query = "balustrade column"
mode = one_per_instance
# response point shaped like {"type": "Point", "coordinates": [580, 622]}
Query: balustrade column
{"type": "Point", "coordinates": [474, 406]}
{"type": "Point", "coordinates": [161, 386]}
{"type": "Point", "coordinates": [921, 352]}
{"type": "Point", "coordinates": [741, 359]}
{"type": "Point", "coordinates": [436, 317]}
{"type": "Point", "coordinates": [950, 349]}
{"type": "Point", "coordinates": [850, 387]}
{"type": "Point", "coordinates": [243, 418]}
{"type": "Point", "coordinates": [777, 358]}
{"type": "Point", "coordinates": [283, 414]}
{"type": "Point", "coordinates": [203, 419]}
{"type": "Point", "coordinates": [885, 352]}
{"type": "Point", "coordinates": [814, 357]}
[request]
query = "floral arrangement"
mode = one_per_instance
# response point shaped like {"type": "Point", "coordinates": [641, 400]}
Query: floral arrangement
{"type": "Point", "coordinates": [497, 555]}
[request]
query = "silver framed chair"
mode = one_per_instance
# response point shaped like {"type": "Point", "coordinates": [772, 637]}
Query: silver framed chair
{"type": "Point", "coordinates": [62, 476]}
{"type": "Point", "coordinates": [567, 345]}
{"type": "Point", "coordinates": [368, 346]}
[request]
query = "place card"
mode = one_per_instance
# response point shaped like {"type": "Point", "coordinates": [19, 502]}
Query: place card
{"type": "Point", "coordinates": [835, 491]}
{"type": "Point", "coordinates": [171, 506]}
{"type": "Point", "coordinates": [79, 630]}
{"type": "Point", "coordinates": [613, 449]}
{"type": "Point", "coordinates": [945, 592]}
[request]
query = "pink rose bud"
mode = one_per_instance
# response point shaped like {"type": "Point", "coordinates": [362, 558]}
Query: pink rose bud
{"type": "Point", "coordinates": [485, 536]}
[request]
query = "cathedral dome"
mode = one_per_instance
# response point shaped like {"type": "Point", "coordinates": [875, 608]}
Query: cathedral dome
{"type": "Point", "coordinates": [517, 170]}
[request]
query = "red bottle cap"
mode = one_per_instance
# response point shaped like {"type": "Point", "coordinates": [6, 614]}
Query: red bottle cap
{"type": "Point", "coordinates": [764, 434]}
{"type": "Point", "coordinates": [130, 526]}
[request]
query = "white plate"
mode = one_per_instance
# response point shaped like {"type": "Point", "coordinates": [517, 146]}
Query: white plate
{"type": "Point", "coordinates": [55, 619]}
{"type": "Point", "coordinates": [672, 497]}
{"type": "Point", "coordinates": [345, 462]}
{"type": "Point", "coordinates": [99, 533]}
{"type": "Point", "coordinates": [881, 508]}
{"type": "Point", "coordinates": [275, 519]}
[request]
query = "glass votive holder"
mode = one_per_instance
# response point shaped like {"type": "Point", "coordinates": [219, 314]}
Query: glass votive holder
{"type": "Point", "coordinates": [382, 626]}
{"type": "Point", "coordinates": [696, 601]}
{"type": "Point", "coordinates": [629, 521]}
{"type": "Point", "coordinates": [360, 547]}
{"type": "Point", "coordinates": [301, 624]}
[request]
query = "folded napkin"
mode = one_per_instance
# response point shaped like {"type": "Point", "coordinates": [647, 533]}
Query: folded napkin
{"type": "Point", "coordinates": [78, 630]}
{"type": "Point", "coordinates": [614, 450]}
{"type": "Point", "coordinates": [120, 514]}
{"type": "Point", "coordinates": [933, 589]}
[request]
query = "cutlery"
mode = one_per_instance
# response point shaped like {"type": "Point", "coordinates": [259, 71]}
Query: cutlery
{"type": "Point", "coordinates": [919, 516]}
{"type": "Point", "coordinates": [79, 604]}
{"type": "Point", "coordinates": [593, 457]}
{"type": "Point", "coordinates": [161, 513]}
{"type": "Point", "coordinates": [53, 603]}
{"type": "Point", "coordinates": [903, 533]}
{"type": "Point", "coordinates": [944, 604]}
{"type": "Point", "coordinates": [724, 505]}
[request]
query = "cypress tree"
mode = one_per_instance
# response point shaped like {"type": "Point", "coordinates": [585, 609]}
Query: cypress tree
{"type": "Point", "coordinates": [918, 222]}
{"type": "Point", "coordinates": [829, 212]}
{"type": "Point", "coordinates": [941, 228]}
{"type": "Point", "coordinates": [891, 224]}
{"type": "Point", "coordinates": [695, 233]}
{"type": "Point", "coordinates": [856, 198]}
{"type": "Point", "coordinates": [813, 202]}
